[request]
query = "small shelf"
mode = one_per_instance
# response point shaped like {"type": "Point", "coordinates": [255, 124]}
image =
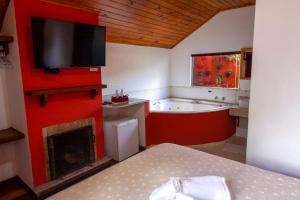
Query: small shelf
{"type": "Point", "coordinates": [10, 135]}
{"type": "Point", "coordinates": [43, 95]}
{"type": "Point", "coordinates": [6, 39]}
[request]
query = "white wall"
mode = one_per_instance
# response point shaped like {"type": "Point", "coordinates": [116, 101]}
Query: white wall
{"type": "Point", "coordinates": [7, 161]}
{"type": "Point", "coordinates": [228, 31]}
{"type": "Point", "coordinates": [7, 151]}
{"type": "Point", "coordinates": [274, 128]}
{"type": "Point", "coordinates": [4, 112]}
{"type": "Point", "coordinates": [204, 93]}
{"type": "Point", "coordinates": [18, 151]}
{"type": "Point", "coordinates": [141, 71]}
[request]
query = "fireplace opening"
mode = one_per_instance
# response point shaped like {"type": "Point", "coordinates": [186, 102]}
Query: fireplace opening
{"type": "Point", "coordinates": [70, 151]}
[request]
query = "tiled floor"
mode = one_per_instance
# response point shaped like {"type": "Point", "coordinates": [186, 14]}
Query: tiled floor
{"type": "Point", "coordinates": [234, 149]}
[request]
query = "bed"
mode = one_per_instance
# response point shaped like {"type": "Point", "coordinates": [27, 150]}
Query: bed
{"type": "Point", "coordinates": [136, 177]}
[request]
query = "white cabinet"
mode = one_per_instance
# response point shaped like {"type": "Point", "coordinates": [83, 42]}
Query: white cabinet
{"type": "Point", "coordinates": [121, 138]}
{"type": "Point", "coordinates": [136, 108]}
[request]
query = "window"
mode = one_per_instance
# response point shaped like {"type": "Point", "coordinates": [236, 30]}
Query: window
{"type": "Point", "coordinates": [216, 70]}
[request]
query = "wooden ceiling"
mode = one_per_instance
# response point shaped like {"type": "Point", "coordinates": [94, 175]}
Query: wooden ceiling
{"type": "Point", "coordinates": [158, 23]}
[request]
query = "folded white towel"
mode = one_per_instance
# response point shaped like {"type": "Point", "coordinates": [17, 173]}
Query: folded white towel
{"type": "Point", "coordinates": [194, 188]}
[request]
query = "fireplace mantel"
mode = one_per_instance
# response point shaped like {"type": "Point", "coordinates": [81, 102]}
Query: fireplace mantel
{"type": "Point", "coordinates": [43, 95]}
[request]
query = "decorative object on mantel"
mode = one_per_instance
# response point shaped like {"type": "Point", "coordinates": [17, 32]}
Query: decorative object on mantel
{"type": "Point", "coordinates": [43, 95]}
{"type": "Point", "coordinates": [119, 98]}
{"type": "Point", "coordinates": [10, 135]}
{"type": "Point", "coordinates": [4, 51]}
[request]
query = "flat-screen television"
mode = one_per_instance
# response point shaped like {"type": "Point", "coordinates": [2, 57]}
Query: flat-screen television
{"type": "Point", "coordinates": [59, 44]}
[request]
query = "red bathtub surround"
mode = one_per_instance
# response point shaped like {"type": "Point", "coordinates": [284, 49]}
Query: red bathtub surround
{"type": "Point", "coordinates": [63, 107]}
{"type": "Point", "coordinates": [149, 138]}
{"type": "Point", "coordinates": [190, 129]}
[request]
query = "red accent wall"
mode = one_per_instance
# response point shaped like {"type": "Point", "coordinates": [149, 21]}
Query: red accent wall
{"type": "Point", "coordinates": [63, 107]}
{"type": "Point", "coordinates": [189, 129]}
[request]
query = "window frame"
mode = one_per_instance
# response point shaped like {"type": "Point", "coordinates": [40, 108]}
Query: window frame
{"type": "Point", "coordinates": [212, 54]}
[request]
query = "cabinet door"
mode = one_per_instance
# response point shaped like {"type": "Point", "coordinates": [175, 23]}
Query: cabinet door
{"type": "Point", "coordinates": [128, 139]}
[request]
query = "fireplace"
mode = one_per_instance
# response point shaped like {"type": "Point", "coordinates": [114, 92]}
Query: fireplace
{"type": "Point", "coordinates": [69, 147]}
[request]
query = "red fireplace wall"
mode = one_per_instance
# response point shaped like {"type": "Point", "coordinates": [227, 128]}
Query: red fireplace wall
{"type": "Point", "coordinates": [63, 107]}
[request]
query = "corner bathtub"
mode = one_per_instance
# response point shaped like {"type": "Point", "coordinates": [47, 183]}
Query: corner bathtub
{"type": "Point", "coordinates": [189, 122]}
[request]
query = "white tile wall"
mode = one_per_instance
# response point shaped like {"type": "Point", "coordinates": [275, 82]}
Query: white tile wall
{"type": "Point", "coordinates": [204, 93]}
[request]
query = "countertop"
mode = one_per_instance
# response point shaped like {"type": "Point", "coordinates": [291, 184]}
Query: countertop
{"type": "Point", "coordinates": [132, 101]}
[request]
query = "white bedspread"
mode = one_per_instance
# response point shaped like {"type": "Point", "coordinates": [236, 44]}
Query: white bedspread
{"type": "Point", "coordinates": [136, 177]}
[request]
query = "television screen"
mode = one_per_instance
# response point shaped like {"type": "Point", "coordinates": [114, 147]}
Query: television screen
{"type": "Point", "coordinates": [59, 44]}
